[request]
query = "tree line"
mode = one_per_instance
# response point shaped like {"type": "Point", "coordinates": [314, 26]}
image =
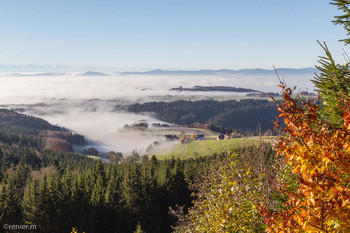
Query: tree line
{"type": "Point", "coordinates": [245, 115]}
{"type": "Point", "coordinates": [58, 190]}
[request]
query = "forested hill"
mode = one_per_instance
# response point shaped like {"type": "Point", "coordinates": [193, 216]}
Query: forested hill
{"type": "Point", "coordinates": [215, 88]}
{"type": "Point", "coordinates": [10, 118]}
{"type": "Point", "coordinates": [244, 114]}
{"type": "Point", "coordinates": [24, 130]}
{"type": "Point", "coordinates": [57, 190]}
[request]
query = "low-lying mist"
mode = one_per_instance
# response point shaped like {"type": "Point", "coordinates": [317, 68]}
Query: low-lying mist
{"type": "Point", "coordinates": [93, 105]}
{"type": "Point", "coordinates": [100, 121]}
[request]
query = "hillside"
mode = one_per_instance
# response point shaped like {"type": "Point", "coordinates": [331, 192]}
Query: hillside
{"type": "Point", "coordinates": [94, 73]}
{"type": "Point", "coordinates": [207, 147]}
{"type": "Point", "coordinates": [37, 132]}
{"type": "Point", "coordinates": [45, 184]}
{"type": "Point", "coordinates": [215, 88]}
{"type": "Point", "coordinates": [245, 115]}
{"type": "Point", "coordinates": [10, 118]}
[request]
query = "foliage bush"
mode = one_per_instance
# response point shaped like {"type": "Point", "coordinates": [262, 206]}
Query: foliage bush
{"type": "Point", "coordinates": [226, 196]}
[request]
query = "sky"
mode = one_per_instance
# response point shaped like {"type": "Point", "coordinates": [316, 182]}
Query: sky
{"type": "Point", "coordinates": [168, 34]}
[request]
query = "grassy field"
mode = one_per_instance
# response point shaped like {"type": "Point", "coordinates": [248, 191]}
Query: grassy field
{"type": "Point", "coordinates": [204, 147]}
{"type": "Point", "coordinates": [209, 146]}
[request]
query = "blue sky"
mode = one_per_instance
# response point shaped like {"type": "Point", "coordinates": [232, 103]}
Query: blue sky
{"type": "Point", "coordinates": [168, 34]}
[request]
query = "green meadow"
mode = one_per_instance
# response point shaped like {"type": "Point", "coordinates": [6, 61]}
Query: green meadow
{"type": "Point", "coordinates": [209, 146]}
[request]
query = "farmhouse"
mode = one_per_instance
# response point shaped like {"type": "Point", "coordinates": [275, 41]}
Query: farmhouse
{"type": "Point", "coordinates": [170, 137]}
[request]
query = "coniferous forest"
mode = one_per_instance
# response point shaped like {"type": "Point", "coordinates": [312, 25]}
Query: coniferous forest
{"type": "Point", "coordinates": [58, 191]}
{"type": "Point", "coordinates": [245, 114]}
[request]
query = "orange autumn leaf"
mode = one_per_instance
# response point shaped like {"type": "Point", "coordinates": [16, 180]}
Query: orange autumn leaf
{"type": "Point", "coordinates": [319, 154]}
{"type": "Point", "coordinates": [346, 115]}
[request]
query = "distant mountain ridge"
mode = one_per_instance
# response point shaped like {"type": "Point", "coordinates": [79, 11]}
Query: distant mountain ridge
{"type": "Point", "coordinates": [94, 73]}
{"type": "Point", "coordinates": [46, 70]}
{"type": "Point", "coordinates": [257, 71]}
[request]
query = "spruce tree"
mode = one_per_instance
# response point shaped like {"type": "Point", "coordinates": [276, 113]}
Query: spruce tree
{"type": "Point", "coordinates": [53, 199]}
{"type": "Point", "coordinates": [2, 204]}
{"type": "Point", "coordinates": [111, 195]}
{"type": "Point", "coordinates": [138, 228]}
{"type": "Point", "coordinates": [343, 5]}
{"type": "Point", "coordinates": [78, 212]}
{"type": "Point", "coordinates": [13, 210]}
{"type": "Point", "coordinates": [130, 188]}
{"type": "Point", "coordinates": [32, 204]}
{"type": "Point", "coordinates": [333, 82]}
{"type": "Point", "coordinates": [98, 192]}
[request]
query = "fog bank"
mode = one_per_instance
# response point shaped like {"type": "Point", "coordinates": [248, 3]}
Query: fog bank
{"type": "Point", "coordinates": [93, 105]}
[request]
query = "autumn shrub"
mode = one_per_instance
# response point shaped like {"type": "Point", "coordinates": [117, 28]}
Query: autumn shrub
{"type": "Point", "coordinates": [225, 197]}
{"type": "Point", "coordinates": [318, 152]}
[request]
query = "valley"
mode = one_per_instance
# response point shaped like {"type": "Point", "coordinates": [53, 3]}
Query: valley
{"type": "Point", "coordinates": [174, 116]}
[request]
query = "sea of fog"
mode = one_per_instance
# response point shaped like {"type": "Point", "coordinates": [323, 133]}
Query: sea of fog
{"type": "Point", "coordinates": [93, 105]}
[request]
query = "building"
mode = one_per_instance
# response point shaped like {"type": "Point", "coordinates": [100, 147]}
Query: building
{"type": "Point", "coordinates": [170, 137]}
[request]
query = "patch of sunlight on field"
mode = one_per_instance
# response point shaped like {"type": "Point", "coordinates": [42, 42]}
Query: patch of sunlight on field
{"type": "Point", "coordinates": [207, 147]}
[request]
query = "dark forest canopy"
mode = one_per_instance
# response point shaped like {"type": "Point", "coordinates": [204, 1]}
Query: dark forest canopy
{"type": "Point", "coordinates": [9, 118]}
{"type": "Point", "coordinates": [244, 115]}
{"type": "Point", "coordinates": [31, 131]}
{"type": "Point", "coordinates": [57, 190]}
{"type": "Point", "coordinates": [215, 88]}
